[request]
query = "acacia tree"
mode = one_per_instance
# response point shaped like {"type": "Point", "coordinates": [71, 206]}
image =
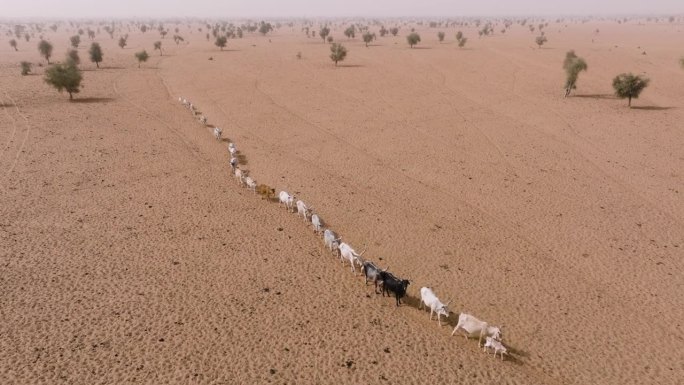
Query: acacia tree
{"type": "Point", "coordinates": [64, 77]}
{"type": "Point", "coordinates": [324, 32]}
{"type": "Point", "coordinates": [75, 41]}
{"type": "Point", "coordinates": [95, 54]}
{"type": "Point", "coordinates": [221, 42]}
{"type": "Point", "coordinates": [72, 55]}
{"type": "Point", "coordinates": [394, 31]}
{"type": "Point", "coordinates": [142, 56]}
{"type": "Point", "coordinates": [368, 37]}
{"type": "Point", "coordinates": [572, 65]}
{"type": "Point", "coordinates": [337, 52]}
{"type": "Point", "coordinates": [265, 28]}
{"type": "Point", "coordinates": [413, 38]}
{"type": "Point", "coordinates": [540, 40]}
{"type": "Point", "coordinates": [45, 49]}
{"type": "Point", "coordinates": [25, 68]}
{"type": "Point", "coordinates": [440, 36]}
{"type": "Point", "coordinates": [628, 86]}
{"type": "Point", "coordinates": [157, 46]}
{"type": "Point", "coordinates": [350, 32]}
{"type": "Point", "coordinates": [13, 44]}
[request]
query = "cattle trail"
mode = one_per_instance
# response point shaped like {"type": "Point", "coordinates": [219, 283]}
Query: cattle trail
{"type": "Point", "coordinates": [20, 149]}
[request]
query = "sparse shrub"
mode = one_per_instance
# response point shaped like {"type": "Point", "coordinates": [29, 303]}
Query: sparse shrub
{"type": "Point", "coordinates": [25, 68]}
{"type": "Point", "coordinates": [72, 55]}
{"type": "Point", "coordinates": [178, 38]}
{"type": "Point", "coordinates": [459, 35]}
{"type": "Point", "coordinates": [462, 42]}
{"type": "Point", "coordinates": [64, 77]}
{"type": "Point", "coordinates": [540, 40]}
{"type": "Point", "coordinates": [413, 38]}
{"type": "Point", "coordinates": [299, 55]}
{"type": "Point", "coordinates": [323, 33]}
{"type": "Point", "coordinates": [142, 56]}
{"type": "Point", "coordinates": [221, 42]}
{"type": "Point", "coordinates": [13, 44]}
{"type": "Point", "coordinates": [45, 49]}
{"type": "Point", "coordinates": [27, 37]}
{"type": "Point", "coordinates": [75, 41]}
{"type": "Point", "coordinates": [122, 41]}
{"type": "Point", "coordinates": [394, 31]}
{"type": "Point", "coordinates": [383, 31]}
{"type": "Point", "coordinates": [330, 39]}
{"type": "Point", "coordinates": [628, 86]}
{"type": "Point", "coordinates": [143, 28]}
{"type": "Point", "coordinates": [572, 65]}
{"type": "Point", "coordinates": [681, 62]}
{"type": "Point", "coordinates": [337, 52]}
{"type": "Point", "coordinates": [440, 36]}
{"type": "Point", "coordinates": [95, 54]}
{"type": "Point", "coordinates": [368, 37]}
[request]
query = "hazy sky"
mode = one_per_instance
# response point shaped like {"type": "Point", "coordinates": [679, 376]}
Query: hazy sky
{"type": "Point", "coordinates": [312, 8]}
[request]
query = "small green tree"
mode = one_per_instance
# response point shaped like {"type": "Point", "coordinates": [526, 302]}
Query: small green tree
{"type": "Point", "coordinates": [572, 65]}
{"type": "Point", "coordinates": [337, 52]}
{"type": "Point", "coordinates": [221, 42]}
{"type": "Point", "coordinates": [95, 54]}
{"type": "Point", "coordinates": [142, 56]}
{"type": "Point", "coordinates": [157, 46]}
{"type": "Point", "coordinates": [13, 44]}
{"type": "Point", "coordinates": [72, 55]}
{"type": "Point", "coordinates": [64, 77]}
{"type": "Point", "coordinates": [462, 42]}
{"type": "Point", "coordinates": [75, 41]}
{"type": "Point", "coordinates": [440, 36]}
{"type": "Point", "coordinates": [323, 33]}
{"type": "Point", "coordinates": [25, 68]}
{"type": "Point", "coordinates": [628, 86]}
{"type": "Point", "coordinates": [265, 28]}
{"type": "Point", "coordinates": [413, 38]}
{"type": "Point", "coordinates": [122, 41]}
{"type": "Point", "coordinates": [394, 31]}
{"type": "Point", "coordinates": [540, 40]}
{"type": "Point", "coordinates": [368, 37]}
{"type": "Point", "coordinates": [350, 32]}
{"type": "Point", "coordinates": [45, 49]}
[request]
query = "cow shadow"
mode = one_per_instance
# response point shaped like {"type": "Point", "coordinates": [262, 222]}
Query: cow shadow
{"type": "Point", "coordinates": [92, 100]}
{"type": "Point", "coordinates": [595, 96]}
{"type": "Point", "coordinates": [651, 108]}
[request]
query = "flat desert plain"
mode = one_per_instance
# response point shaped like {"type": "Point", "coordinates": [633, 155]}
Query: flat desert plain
{"type": "Point", "coordinates": [129, 254]}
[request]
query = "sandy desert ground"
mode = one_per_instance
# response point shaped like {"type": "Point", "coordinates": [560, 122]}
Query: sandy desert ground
{"type": "Point", "coordinates": [129, 255]}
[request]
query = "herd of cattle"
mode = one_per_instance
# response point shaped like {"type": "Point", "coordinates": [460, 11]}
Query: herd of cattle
{"type": "Point", "coordinates": [384, 281]}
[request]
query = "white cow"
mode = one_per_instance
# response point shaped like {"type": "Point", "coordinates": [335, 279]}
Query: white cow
{"type": "Point", "coordinates": [251, 184]}
{"type": "Point", "coordinates": [496, 345]}
{"type": "Point", "coordinates": [316, 222]}
{"type": "Point", "coordinates": [429, 299]}
{"type": "Point", "coordinates": [287, 199]}
{"type": "Point", "coordinates": [203, 120]}
{"type": "Point", "coordinates": [472, 326]}
{"type": "Point", "coordinates": [331, 240]}
{"type": "Point", "coordinates": [180, 99]}
{"type": "Point", "coordinates": [347, 253]}
{"type": "Point", "coordinates": [239, 175]}
{"type": "Point", "coordinates": [233, 163]}
{"type": "Point", "coordinates": [302, 209]}
{"type": "Point", "coordinates": [217, 133]}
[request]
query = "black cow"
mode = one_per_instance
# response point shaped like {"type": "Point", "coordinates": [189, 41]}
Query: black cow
{"type": "Point", "coordinates": [390, 283]}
